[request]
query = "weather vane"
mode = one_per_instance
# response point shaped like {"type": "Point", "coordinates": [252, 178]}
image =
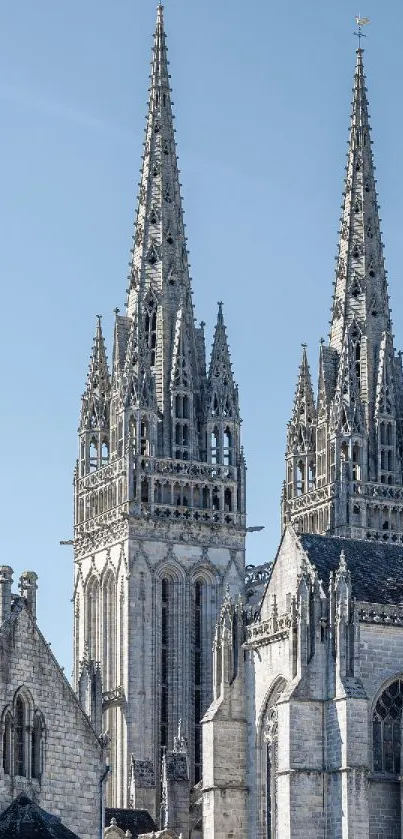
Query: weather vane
{"type": "Point", "coordinates": [361, 21]}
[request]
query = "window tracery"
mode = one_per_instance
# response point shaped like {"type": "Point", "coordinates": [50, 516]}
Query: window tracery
{"type": "Point", "coordinates": [22, 741]}
{"type": "Point", "coordinates": [386, 729]}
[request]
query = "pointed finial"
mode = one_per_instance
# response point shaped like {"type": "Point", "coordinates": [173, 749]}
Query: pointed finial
{"type": "Point", "coordinates": [99, 318]}
{"type": "Point", "coordinates": [160, 14]}
{"type": "Point", "coordinates": [342, 563]}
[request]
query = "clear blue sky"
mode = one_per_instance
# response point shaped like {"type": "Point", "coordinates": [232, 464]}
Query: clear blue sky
{"type": "Point", "coordinates": [262, 93]}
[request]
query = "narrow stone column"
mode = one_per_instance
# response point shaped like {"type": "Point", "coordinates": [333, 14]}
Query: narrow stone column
{"type": "Point", "coordinates": [28, 588]}
{"type": "Point", "coordinates": [6, 579]}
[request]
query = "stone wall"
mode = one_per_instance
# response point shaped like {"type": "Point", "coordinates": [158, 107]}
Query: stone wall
{"type": "Point", "coordinates": [69, 786]}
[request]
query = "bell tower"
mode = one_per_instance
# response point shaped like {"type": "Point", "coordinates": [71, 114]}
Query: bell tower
{"type": "Point", "coordinates": [159, 487]}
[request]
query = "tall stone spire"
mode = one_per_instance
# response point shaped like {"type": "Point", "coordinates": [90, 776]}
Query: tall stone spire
{"type": "Point", "coordinates": [160, 487]}
{"type": "Point", "coordinates": [358, 430]}
{"type": "Point", "coordinates": [159, 276]}
{"type": "Point", "coordinates": [360, 289]}
{"type": "Point", "coordinates": [95, 400]}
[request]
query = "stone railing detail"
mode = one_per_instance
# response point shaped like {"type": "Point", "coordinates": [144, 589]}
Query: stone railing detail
{"type": "Point", "coordinates": [314, 497]}
{"type": "Point", "coordinates": [380, 613]}
{"type": "Point", "coordinates": [268, 631]}
{"type": "Point", "coordinates": [114, 469]}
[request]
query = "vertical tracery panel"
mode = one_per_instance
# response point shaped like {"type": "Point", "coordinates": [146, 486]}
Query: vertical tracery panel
{"type": "Point", "coordinates": [109, 630]}
{"type": "Point", "coordinates": [92, 618]}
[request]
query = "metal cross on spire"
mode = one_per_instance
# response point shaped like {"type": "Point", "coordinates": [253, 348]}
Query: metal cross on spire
{"type": "Point", "coordinates": [361, 21]}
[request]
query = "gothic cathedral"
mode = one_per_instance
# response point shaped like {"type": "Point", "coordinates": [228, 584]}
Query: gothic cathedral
{"type": "Point", "coordinates": [290, 709]}
{"type": "Point", "coordinates": [159, 488]}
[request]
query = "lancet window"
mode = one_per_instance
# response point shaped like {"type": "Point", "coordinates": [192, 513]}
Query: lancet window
{"type": "Point", "coordinates": [198, 676]}
{"type": "Point", "coordinates": [215, 446]}
{"type": "Point", "coordinates": [22, 740]}
{"type": "Point", "coordinates": [93, 618]}
{"type": "Point", "coordinates": [386, 437]}
{"type": "Point", "coordinates": [93, 460]}
{"type": "Point", "coordinates": [227, 447]}
{"type": "Point", "coordinates": [165, 646]}
{"type": "Point", "coordinates": [386, 729]}
{"type": "Point", "coordinates": [108, 625]}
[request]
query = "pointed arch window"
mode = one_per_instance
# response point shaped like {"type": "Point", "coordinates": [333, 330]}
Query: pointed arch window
{"type": "Point", "coordinates": [108, 623]}
{"type": "Point", "coordinates": [227, 448]}
{"type": "Point", "coordinates": [165, 644]}
{"type": "Point", "coordinates": [133, 436]}
{"type": "Point", "coordinates": [93, 618]}
{"type": "Point", "coordinates": [144, 437]}
{"type": "Point", "coordinates": [198, 676]}
{"type": "Point", "coordinates": [356, 462]}
{"type": "Point", "coordinates": [386, 729]}
{"type": "Point", "coordinates": [300, 477]}
{"type": "Point", "coordinates": [104, 452]}
{"type": "Point", "coordinates": [93, 454]}
{"type": "Point", "coordinates": [19, 738]}
{"type": "Point", "coordinates": [215, 446]}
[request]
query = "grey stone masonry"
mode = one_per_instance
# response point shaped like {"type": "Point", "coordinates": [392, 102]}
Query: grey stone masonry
{"type": "Point", "coordinates": [49, 750]}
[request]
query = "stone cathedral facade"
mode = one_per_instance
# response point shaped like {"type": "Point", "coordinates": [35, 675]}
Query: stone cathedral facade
{"type": "Point", "coordinates": [159, 489]}
{"type": "Point", "coordinates": [304, 735]}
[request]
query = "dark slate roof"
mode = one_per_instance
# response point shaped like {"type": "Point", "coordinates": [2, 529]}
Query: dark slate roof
{"type": "Point", "coordinates": [376, 568]}
{"type": "Point", "coordinates": [25, 820]}
{"type": "Point", "coordinates": [137, 821]}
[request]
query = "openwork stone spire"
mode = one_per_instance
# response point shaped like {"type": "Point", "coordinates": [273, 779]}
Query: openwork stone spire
{"type": "Point", "coordinates": [301, 431]}
{"type": "Point", "coordinates": [361, 287]}
{"type": "Point", "coordinates": [95, 402]}
{"type": "Point", "coordinates": [358, 428]}
{"type": "Point", "coordinates": [159, 258]}
{"type": "Point", "coordinates": [159, 276]}
{"type": "Point", "coordinates": [222, 390]}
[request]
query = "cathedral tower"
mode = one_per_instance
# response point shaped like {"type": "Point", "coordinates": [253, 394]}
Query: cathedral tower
{"type": "Point", "coordinates": [344, 453]}
{"type": "Point", "coordinates": [159, 487]}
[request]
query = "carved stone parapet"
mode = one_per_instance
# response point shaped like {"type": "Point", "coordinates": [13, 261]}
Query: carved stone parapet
{"type": "Point", "coordinates": [114, 469]}
{"type": "Point", "coordinates": [276, 628]}
{"type": "Point", "coordinates": [381, 491]}
{"type": "Point", "coordinates": [315, 497]}
{"type": "Point", "coordinates": [380, 613]}
{"type": "Point", "coordinates": [189, 469]}
{"type": "Point", "coordinates": [86, 543]}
